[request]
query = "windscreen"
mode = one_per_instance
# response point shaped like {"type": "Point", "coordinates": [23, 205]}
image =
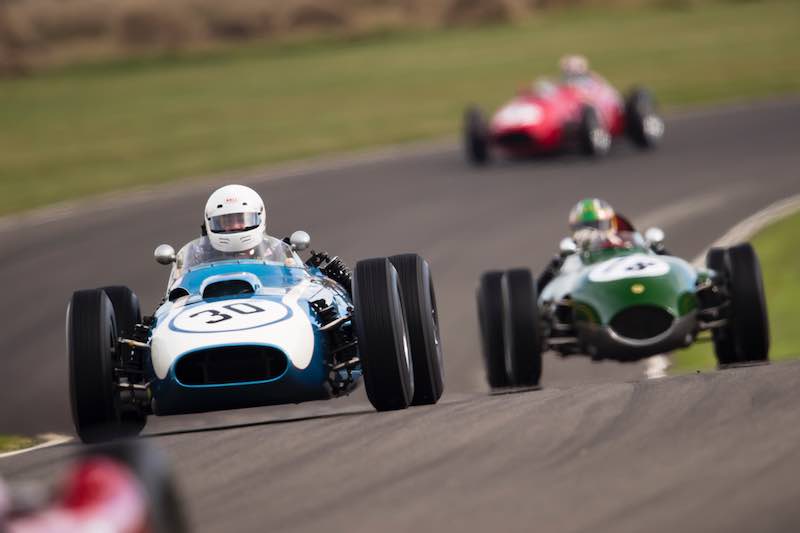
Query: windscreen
{"type": "Point", "coordinates": [605, 240]}
{"type": "Point", "coordinates": [199, 252]}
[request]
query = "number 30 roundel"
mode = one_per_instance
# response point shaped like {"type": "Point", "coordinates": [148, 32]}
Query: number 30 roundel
{"type": "Point", "coordinates": [230, 315]}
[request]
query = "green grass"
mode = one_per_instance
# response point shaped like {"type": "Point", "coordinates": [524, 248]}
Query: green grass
{"type": "Point", "coordinates": [96, 128]}
{"type": "Point", "coordinates": [780, 263]}
{"type": "Point", "coordinates": [11, 443]}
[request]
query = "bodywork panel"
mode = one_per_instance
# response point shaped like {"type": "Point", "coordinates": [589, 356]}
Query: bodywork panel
{"type": "Point", "coordinates": [277, 314]}
{"type": "Point", "coordinates": [599, 287]}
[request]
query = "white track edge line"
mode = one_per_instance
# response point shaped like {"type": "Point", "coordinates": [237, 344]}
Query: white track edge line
{"type": "Point", "coordinates": [751, 225]}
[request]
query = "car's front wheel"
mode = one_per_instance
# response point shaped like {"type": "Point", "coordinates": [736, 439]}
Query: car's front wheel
{"type": "Point", "coordinates": [490, 318]}
{"type": "Point", "coordinates": [521, 331]}
{"type": "Point", "coordinates": [383, 341]}
{"type": "Point", "coordinates": [724, 349]}
{"type": "Point", "coordinates": [127, 314]}
{"type": "Point", "coordinates": [92, 343]}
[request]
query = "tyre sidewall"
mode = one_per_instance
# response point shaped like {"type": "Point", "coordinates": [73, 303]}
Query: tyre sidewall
{"type": "Point", "coordinates": [382, 335]}
{"type": "Point", "coordinates": [522, 340]}
{"type": "Point", "coordinates": [419, 302]}
{"type": "Point", "coordinates": [91, 334]}
{"type": "Point", "coordinates": [749, 305]}
{"type": "Point", "coordinates": [722, 337]}
{"type": "Point", "coordinates": [490, 317]}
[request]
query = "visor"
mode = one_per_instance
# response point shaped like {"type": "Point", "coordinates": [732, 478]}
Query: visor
{"type": "Point", "coordinates": [593, 224]}
{"type": "Point", "coordinates": [234, 222]}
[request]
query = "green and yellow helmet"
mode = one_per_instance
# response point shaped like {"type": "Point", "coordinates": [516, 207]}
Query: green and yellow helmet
{"type": "Point", "coordinates": [591, 213]}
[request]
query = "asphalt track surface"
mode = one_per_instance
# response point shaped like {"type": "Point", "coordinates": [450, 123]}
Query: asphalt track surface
{"type": "Point", "coordinates": [598, 448]}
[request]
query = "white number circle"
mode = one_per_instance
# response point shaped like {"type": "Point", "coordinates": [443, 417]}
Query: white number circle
{"type": "Point", "coordinates": [229, 315]}
{"type": "Point", "coordinates": [632, 266]}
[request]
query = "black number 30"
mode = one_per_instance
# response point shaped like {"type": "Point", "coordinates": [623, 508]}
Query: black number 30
{"type": "Point", "coordinates": [241, 308]}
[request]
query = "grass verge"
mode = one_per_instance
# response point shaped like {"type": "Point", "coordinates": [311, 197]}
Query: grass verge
{"type": "Point", "coordinates": [95, 128]}
{"type": "Point", "coordinates": [12, 443]}
{"type": "Point", "coordinates": [780, 263]}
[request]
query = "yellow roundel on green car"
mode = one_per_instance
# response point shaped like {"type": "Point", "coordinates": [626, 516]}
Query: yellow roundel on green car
{"type": "Point", "coordinates": [637, 288]}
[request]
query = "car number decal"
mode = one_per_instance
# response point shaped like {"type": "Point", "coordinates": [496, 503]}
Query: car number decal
{"type": "Point", "coordinates": [231, 315]}
{"type": "Point", "coordinates": [632, 266]}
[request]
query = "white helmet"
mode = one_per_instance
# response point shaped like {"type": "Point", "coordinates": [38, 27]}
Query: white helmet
{"type": "Point", "coordinates": [574, 65]}
{"type": "Point", "coordinates": [235, 218]}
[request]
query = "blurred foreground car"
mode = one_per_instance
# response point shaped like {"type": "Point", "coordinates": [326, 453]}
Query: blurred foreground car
{"type": "Point", "coordinates": [622, 302]}
{"type": "Point", "coordinates": [121, 488]}
{"type": "Point", "coordinates": [261, 330]}
{"type": "Point", "coordinates": [583, 112]}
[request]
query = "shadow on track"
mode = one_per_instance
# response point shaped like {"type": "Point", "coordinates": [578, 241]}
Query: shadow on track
{"type": "Point", "coordinates": [227, 427]}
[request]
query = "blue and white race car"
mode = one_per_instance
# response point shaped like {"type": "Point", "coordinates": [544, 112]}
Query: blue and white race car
{"type": "Point", "coordinates": [260, 329]}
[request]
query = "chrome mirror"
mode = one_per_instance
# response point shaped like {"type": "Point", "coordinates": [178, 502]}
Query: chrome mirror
{"type": "Point", "coordinates": [165, 254]}
{"type": "Point", "coordinates": [567, 246]}
{"type": "Point", "coordinates": [654, 237]}
{"type": "Point", "coordinates": [300, 240]}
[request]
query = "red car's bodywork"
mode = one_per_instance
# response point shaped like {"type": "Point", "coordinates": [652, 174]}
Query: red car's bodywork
{"type": "Point", "coordinates": [584, 112]}
{"type": "Point", "coordinates": [97, 495]}
{"type": "Point", "coordinates": [553, 116]}
{"type": "Point", "coordinates": [125, 487]}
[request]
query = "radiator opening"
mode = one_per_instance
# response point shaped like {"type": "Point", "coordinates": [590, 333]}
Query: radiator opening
{"type": "Point", "coordinates": [231, 364]}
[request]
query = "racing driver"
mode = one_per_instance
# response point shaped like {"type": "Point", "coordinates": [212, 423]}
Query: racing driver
{"type": "Point", "coordinates": [234, 223]}
{"type": "Point", "coordinates": [591, 220]}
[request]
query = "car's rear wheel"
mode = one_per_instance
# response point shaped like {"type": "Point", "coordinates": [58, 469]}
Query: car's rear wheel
{"type": "Point", "coordinates": [717, 260]}
{"type": "Point", "coordinates": [127, 313]}
{"type": "Point", "coordinates": [643, 124]}
{"type": "Point", "coordinates": [383, 342]}
{"type": "Point", "coordinates": [593, 138]}
{"type": "Point", "coordinates": [422, 320]}
{"type": "Point", "coordinates": [476, 136]}
{"type": "Point", "coordinates": [91, 343]}
{"type": "Point", "coordinates": [490, 317]}
{"type": "Point", "coordinates": [521, 335]}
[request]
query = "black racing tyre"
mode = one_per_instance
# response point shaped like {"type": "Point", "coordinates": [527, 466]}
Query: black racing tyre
{"type": "Point", "coordinates": [127, 313]}
{"type": "Point", "coordinates": [422, 321]}
{"type": "Point", "coordinates": [91, 343]}
{"type": "Point", "coordinates": [643, 124]}
{"type": "Point", "coordinates": [476, 136]}
{"type": "Point", "coordinates": [749, 306]}
{"type": "Point", "coordinates": [382, 334]}
{"type": "Point", "coordinates": [126, 308]}
{"type": "Point", "coordinates": [149, 465]}
{"type": "Point", "coordinates": [490, 318]}
{"type": "Point", "coordinates": [593, 138]}
{"type": "Point", "coordinates": [521, 336]}
{"type": "Point", "coordinates": [717, 260]}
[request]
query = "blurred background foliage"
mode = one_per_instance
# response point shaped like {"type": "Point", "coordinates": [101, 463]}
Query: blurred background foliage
{"type": "Point", "coordinates": [40, 33]}
{"type": "Point", "coordinates": [103, 95]}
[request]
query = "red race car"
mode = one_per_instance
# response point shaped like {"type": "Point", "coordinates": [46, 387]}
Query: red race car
{"type": "Point", "coordinates": [125, 487]}
{"type": "Point", "coordinates": [582, 111]}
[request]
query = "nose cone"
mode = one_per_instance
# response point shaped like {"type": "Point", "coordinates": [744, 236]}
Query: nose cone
{"type": "Point", "coordinates": [261, 320]}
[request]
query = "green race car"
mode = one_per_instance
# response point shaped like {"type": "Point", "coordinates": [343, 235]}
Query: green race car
{"type": "Point", "coordinates": [621, 297]}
